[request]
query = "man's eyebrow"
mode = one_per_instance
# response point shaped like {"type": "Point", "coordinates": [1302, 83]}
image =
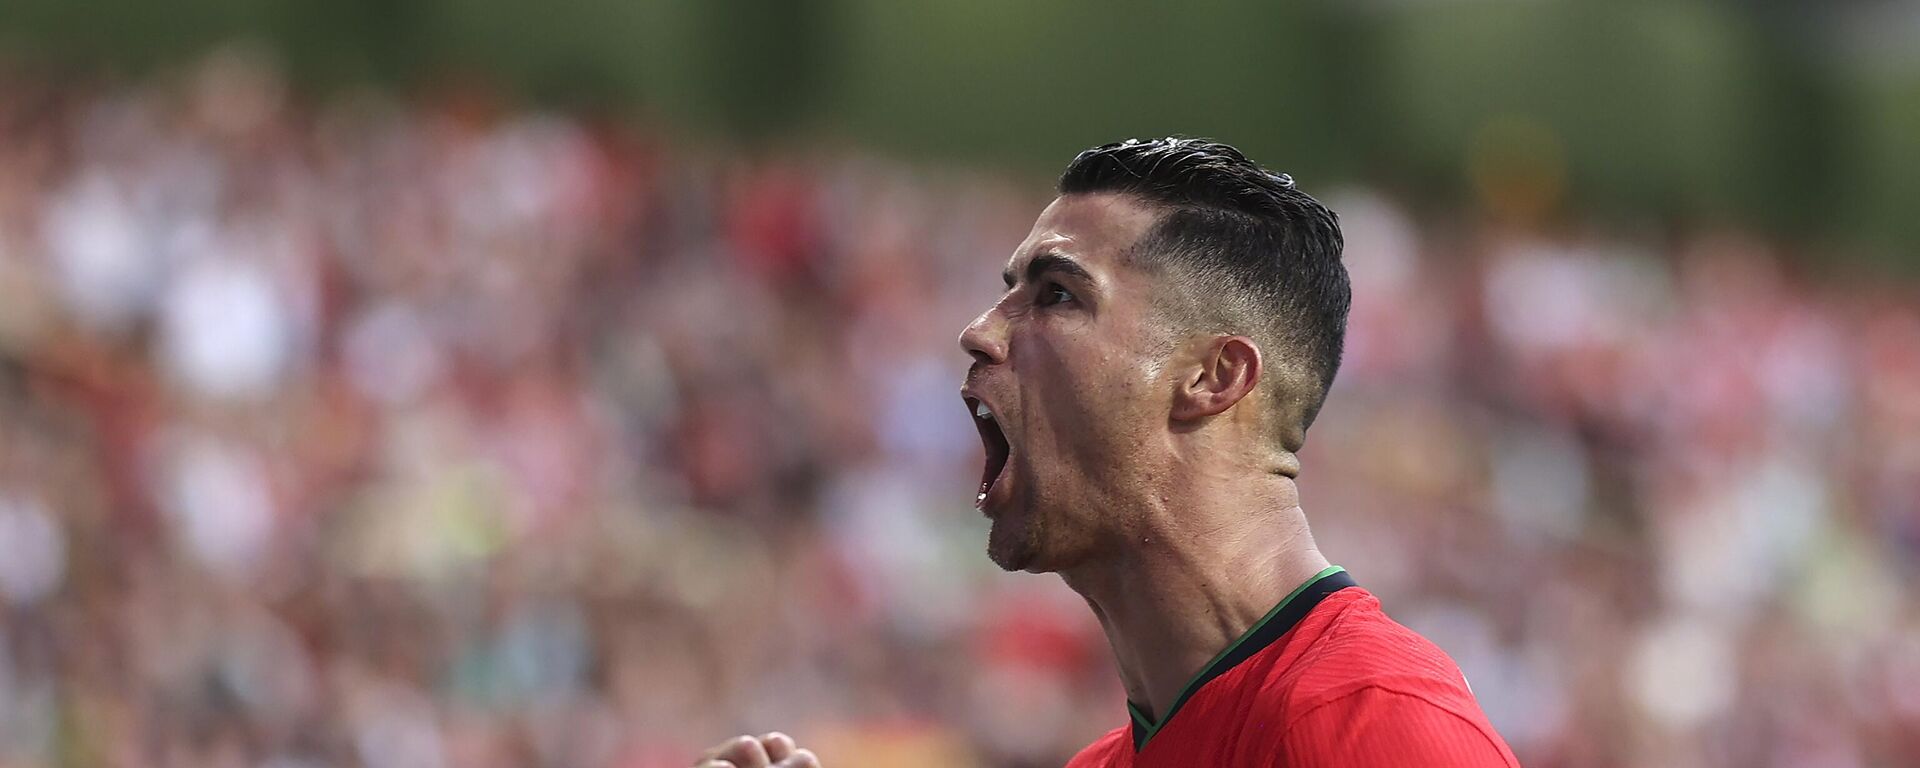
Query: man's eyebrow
{"type": "Point", "coordinates": [1050, 262]}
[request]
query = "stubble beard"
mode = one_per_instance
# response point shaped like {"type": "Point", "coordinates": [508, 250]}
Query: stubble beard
{"type": "Point", "coordinates": [1035, 535]}
{"type": "Point", "coordinates": [1014, 544]}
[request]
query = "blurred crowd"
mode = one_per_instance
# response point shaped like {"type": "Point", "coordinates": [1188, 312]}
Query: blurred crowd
{"type": "Point", "coordinates": [432, 431]}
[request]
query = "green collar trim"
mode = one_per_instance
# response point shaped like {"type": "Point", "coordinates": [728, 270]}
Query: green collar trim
{"type": "Point", "coordinates": [1263, 633]}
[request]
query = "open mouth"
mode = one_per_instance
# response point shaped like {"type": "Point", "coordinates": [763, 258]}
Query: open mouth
{"type": "Point", "coordinates": [997, 447]}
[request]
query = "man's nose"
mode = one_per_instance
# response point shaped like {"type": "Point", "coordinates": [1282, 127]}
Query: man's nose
{"type": "Point", "coordinates": [986, 337]}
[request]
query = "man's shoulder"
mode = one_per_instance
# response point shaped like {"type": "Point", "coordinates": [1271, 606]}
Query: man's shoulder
{"type": "Point", "coordinates": [1360, 647]}
{"type": "Point", "coordinates": [1109, 751]}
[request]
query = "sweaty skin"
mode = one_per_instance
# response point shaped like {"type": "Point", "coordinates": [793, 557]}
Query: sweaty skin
{"type": "Point", "coordinates": [1141, 470]}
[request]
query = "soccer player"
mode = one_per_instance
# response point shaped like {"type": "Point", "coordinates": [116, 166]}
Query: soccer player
{"type": "Point", "coordinates": [1169, 330]}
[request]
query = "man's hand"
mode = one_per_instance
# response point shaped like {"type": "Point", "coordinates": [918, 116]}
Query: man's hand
{"type": "Point", "coordinates": [770, 750]}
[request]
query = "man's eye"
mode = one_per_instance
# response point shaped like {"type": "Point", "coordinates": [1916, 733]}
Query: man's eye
{"type": "Point", "coordinates": [1054, 294]}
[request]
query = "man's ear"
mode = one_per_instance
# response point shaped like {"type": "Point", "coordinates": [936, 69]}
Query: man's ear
{"type": "Point", "coordinates": [1227, 370]}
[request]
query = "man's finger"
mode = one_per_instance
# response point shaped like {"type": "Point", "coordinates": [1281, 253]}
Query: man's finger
{"type": "Point", "coordinates": [714, 764]}
{"type": "Point", "coordinates": [714, 752]}
{"type": "Point", "coordinates": [745, 752]}
{"type": "Point", "coordinates": [801, 758]}
{"type": "Point", "coordinates": [779, 745]}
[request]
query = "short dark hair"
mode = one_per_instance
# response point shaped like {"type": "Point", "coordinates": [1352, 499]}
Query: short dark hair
{"type": "Point", "coordinates": [1255, 254]}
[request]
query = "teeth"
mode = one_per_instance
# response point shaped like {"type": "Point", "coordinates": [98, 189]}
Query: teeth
{"type": "Point", "coordinates": [980, 411]}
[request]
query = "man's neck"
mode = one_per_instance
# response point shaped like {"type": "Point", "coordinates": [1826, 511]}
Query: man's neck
{"type": "Point", "coordinates": [1203, 569]}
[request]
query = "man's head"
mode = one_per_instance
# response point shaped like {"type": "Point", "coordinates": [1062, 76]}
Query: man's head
{"type": "Point", "coordinates": [1177, 311]}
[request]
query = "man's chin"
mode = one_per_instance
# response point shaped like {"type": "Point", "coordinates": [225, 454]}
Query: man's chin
{"type": "Point", "coordinates": [1014, 546]}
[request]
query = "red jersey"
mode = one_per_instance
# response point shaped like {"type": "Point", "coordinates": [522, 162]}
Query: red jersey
{"type": "Point", "coordinates": [1325, 679]}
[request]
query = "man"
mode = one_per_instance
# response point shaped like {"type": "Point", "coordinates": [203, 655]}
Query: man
{"type": "Point", "coordinates": [1143, 387]}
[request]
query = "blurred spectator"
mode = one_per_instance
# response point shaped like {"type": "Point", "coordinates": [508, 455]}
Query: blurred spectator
{"type": "Point", "coordinates": [439, 434]}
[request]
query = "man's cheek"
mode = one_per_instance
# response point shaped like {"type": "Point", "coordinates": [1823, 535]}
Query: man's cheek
{"type": "Point", "coordinates": [1076, 324]}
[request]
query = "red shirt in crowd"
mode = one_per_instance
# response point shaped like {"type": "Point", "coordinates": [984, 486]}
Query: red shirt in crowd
{"type": "Point", "coordinates": [1325, 679]}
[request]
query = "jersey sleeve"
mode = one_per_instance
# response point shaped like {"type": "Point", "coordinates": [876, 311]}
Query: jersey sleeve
{"type": "Point", "coordinates": [1110, 751]}
{"type": "Point", "coordinates": [1375, 726]}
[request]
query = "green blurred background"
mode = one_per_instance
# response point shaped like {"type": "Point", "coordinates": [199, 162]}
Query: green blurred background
{"type": "Point", "coordinates": [1799, 118]}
